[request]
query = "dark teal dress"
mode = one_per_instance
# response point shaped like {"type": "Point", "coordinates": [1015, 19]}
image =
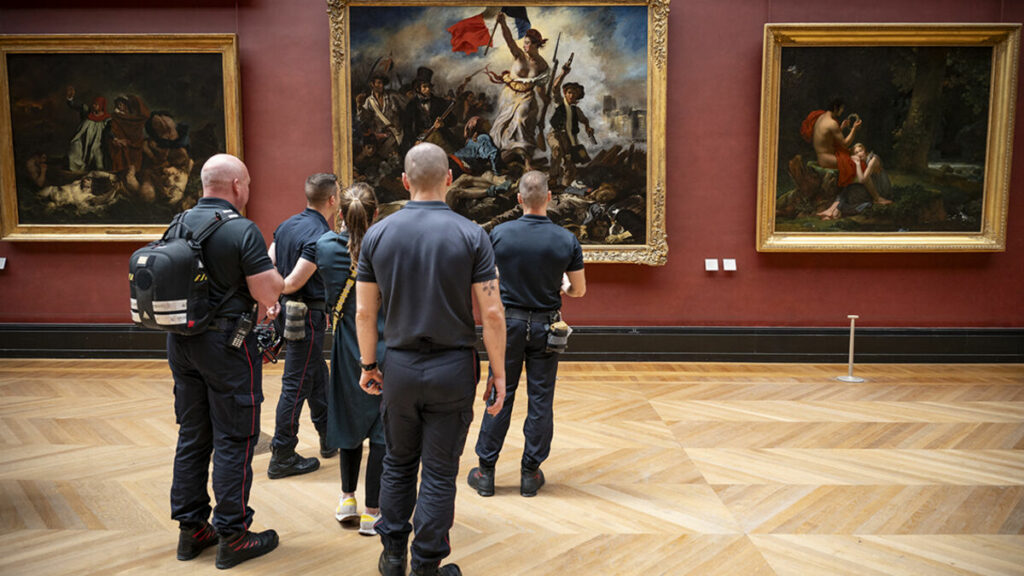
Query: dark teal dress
{"type": "Point", "coordinates": [352, 415]}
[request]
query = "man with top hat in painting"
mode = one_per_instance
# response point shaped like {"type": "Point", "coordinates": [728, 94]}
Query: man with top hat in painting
{"type": "Point", "coordinates": [428, 118]}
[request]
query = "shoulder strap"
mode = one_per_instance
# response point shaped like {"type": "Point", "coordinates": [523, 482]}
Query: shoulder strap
{"type": "Point", "coordinates": [220, 217]}
{"type": "Point", "coordinates": [177, 223]}
{"type": "Point", "coordinates": [182, 230]}
{"type": "Point", "coordinates": [336, 315]}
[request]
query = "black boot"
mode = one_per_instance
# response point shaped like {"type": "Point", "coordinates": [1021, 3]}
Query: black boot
{"type": "Point", "coordinates": [530, 481]}
{"type": "Point", "coordinates": [193, 539]}
{"type": "Point", "coordinates": [242, 546]}
{"type": "Point", "coordinates": [482, 480]}
{"type": "Point", "coordinates": [392, 559]}
{"type": "Point", "coordinates": [446, 570]}
{"type": "Point", "coordinates": [288, 462]}
{"type": "Point", "coordinates": [325, 450]}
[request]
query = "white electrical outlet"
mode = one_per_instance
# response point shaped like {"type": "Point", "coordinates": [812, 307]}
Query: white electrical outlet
{"type": "Point", "coordinates": [711, 264]}
{"type": "Point", "coordinates": [729, 264]}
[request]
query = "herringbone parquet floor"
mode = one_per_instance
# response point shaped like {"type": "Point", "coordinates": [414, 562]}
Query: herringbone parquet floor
{"type": "Point", "coordinates": [657, 468]}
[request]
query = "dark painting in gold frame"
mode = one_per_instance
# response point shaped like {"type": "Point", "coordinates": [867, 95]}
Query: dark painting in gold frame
{"type": "Point", "coordinates": [886, 137]}
{"type": "Point", "coordinates": [104, 136]}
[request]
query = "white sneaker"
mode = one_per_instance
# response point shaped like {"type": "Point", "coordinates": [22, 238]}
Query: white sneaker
{"type": "Point", "coordinates": [346, 512]}
{"type": "Point", "coordinates": [366, 522]}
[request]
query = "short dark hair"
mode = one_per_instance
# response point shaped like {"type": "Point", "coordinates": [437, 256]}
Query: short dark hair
{"type": "Point", "coordinates": [320, 187]}
{"type": "Point", "coordinates": [577, 87]}
{"type": "Point", "coordinates": [835, 103]}
{"type": "Point", "coordinates": [378, 76]}
{"type": "Point", "coordinates": [533, 189]}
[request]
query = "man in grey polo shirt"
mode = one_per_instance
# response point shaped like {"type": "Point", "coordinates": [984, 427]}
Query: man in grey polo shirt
{"type": "Point", "coordinates": [424, 264]}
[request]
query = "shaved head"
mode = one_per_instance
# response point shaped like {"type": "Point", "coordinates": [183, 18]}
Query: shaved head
{"type": "Point", "coordinates": [221, 170]}
{"type": "Point", "coordinates": [426, 167]}
{"type": "Point", "coordinates": [533, 189]}
{"type": "Point", "coordinates": [225, 176]}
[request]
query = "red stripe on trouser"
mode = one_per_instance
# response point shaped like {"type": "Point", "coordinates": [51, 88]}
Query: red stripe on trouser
{"type": "Point", "coordinates": [252, 429]}
{"type": "Point", "coordinates": [309, 353]}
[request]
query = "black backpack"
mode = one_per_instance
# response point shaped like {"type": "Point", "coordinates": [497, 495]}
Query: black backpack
{"type": "Point", "coordinates": [169, 286]}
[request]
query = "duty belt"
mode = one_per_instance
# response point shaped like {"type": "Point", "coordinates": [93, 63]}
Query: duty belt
{"type": "Point", "coordinates": [427, 347]}
{"type": "Point", "coordinates": [318, 305]}
{"type": "Point", "coordinates": [222, 324]}
{"type": "Point", "coordinates": [548, 316]}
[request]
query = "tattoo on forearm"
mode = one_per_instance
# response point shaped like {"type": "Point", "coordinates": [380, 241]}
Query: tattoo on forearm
{"type": "Point", "coordinates": [490, 287]}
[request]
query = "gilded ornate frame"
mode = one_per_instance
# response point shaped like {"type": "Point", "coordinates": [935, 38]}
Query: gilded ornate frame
{"type": "Point", "coordinates": [1004, 40]}
{"type": "Point", "coordinates": [226, 45]}
{"type": "Point", "coordinates": [655, 251]}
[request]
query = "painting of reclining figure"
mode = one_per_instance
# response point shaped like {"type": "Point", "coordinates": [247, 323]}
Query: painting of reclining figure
{"type": "Point", "coordinates": [505, 90]}
{"type": "Point", "coordinates": [886, 140]}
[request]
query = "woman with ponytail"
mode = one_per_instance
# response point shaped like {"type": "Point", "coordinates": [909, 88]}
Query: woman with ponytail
{"type": "Point", "coordinates": [353, 415]}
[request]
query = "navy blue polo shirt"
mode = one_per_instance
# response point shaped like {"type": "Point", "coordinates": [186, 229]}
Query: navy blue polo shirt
{"type": "Point", "coordinates": [425, 259]}
{"type": "Point", "coordinates": [296, 238]}
{"type": "Point", "coordinates": [234, 251]}
{"type": "Point", "coordinates": [532, 254]}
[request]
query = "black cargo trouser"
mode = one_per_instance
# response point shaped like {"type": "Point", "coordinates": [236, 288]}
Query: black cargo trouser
{"type": "Point", "coordinates": [217, 395]}
{"type": "Point", "coordinates": [427, 408]}
{"type": "Point", "coordinates": [525, 342]}
{"type": "Point", "coordinates": [304, 380]}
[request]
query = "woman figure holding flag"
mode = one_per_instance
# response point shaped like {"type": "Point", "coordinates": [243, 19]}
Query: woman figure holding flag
{"type": "Point", "coordinates": [515, 126]}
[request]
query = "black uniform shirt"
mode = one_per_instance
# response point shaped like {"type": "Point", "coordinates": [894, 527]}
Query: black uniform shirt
{"type": "Point", "coordinates": [532, 253]}
{"type": "Point", "coordinates": [296, 238]}
{"type": "Point", "coordinates": [425, 259]}
{"type": "Point", "coordinates": [234, 251]}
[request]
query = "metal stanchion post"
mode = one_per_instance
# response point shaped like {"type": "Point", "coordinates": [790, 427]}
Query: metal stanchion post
{"type": "Point", "coordinates": [849, 376]}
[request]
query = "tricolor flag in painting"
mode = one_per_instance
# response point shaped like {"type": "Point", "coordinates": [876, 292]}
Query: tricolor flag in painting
{"type": "Point", "coordinates": [470, 34]}
{"type": "Point", "coordinates": [522, 21]}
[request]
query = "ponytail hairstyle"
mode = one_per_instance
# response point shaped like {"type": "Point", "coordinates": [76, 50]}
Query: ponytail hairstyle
{"type": "Point", "coordinates": [358, 206]}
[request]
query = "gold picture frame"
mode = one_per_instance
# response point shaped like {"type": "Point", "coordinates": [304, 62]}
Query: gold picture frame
{"type": "Point", "coordinates": [103, 135]}
{"type": "Point", "coordinates": [353, 63]}
{"type": "Point", "coordinates": [944, 155]}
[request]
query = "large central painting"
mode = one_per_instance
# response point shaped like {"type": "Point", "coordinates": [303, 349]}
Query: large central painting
{"type": "Point", "coordinates": [570, 90]}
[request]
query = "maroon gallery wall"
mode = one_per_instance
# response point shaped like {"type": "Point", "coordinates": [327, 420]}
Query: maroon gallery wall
{"type": "Point", "coordinates": [713, 114]}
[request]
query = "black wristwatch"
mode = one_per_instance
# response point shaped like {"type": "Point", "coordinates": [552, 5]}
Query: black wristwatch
{"type": "Point", "coordinates": [367, 367]}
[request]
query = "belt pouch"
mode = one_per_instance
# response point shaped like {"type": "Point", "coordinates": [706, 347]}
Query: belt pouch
{"type": "Point", "coordinates": [558, 336]}
{"type": "Point", "coordinates": [295, 320]}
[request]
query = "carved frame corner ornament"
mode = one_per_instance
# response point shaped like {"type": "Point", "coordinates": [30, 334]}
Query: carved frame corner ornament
{"type": "Point", "coordinates": [654, 252]}
{"type": "Point", "coordinates": [659, 18]}
{"type": "Point", "coordinates": [336, 9]}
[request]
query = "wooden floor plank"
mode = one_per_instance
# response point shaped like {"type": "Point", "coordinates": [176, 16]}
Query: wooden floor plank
{"type": "Point", "coordinates": [656, 468]}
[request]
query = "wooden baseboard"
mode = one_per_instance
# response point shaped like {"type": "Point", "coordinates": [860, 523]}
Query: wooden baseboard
{"type": "Point", "coordinates": [609, 344]}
